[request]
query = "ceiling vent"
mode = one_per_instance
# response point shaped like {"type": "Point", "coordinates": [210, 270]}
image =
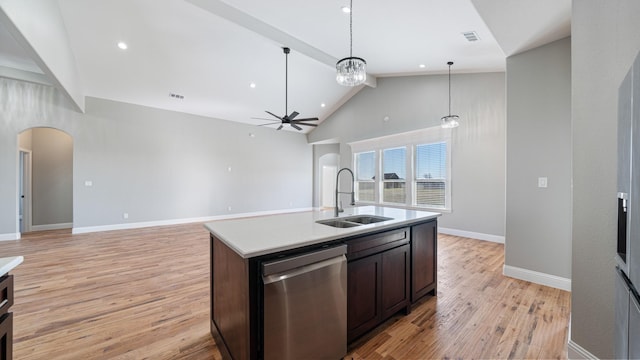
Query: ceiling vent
{"type": "Point", "coordinates": [176, 96]}
{"type": "Point", "coordinates": [471, 36]}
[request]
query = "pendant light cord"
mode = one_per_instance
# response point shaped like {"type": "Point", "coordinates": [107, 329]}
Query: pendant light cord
{"type": "Point", "coordinates": [450, 63]}
{"type": "Point", "coordinates": [351, 28]}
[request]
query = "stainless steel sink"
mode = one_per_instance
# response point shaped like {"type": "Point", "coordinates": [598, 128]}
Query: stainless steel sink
{"type": "Point", "coordinates": [351, 221]}
{"type": "Point", "coordinates": [338, 223]}
{"type": "Point", "coordinates": [366, 219]}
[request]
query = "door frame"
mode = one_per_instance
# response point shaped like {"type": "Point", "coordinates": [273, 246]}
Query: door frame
{"type": "Point", "coordinates": [25, 183]}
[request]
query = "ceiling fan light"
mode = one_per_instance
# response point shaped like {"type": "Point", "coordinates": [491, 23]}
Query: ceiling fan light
{"type": "Point", "coordinates": [351, 71]}
{"type": "Point", "coordinates": [450, 121]}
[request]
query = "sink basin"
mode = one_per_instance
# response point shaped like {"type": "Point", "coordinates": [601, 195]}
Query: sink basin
{"type": "Point", "coordinates": [351, 221]}
{"type": "Point", "coordinates": [366, 219]}
{"type": "Point", "coordinates": [338, 223]}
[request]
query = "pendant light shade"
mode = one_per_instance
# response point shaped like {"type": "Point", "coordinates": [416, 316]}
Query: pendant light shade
{"type": "Point", "coordinates": [450, 121]}
{"type": "Point", "coordinates": [351, 71]}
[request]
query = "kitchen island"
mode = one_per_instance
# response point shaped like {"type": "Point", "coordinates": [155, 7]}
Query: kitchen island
{"type": "Point", "coordinates": [6, 301]}
{"type": "Point", "coordinates": [391, 264]}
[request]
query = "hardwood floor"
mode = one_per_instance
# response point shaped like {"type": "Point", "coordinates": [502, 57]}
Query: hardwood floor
{"type": "Point", "coordinates": [144, 294]}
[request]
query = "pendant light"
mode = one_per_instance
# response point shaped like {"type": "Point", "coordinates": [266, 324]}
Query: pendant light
{"type": "Point", "coordinates": [351, 71]}
{"type": "Point", "coordinates": [450, 121]}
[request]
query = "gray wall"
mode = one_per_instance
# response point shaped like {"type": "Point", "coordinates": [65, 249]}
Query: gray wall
{"type": "Point", "coordinates": [416, 102]}
{"type": "Point", "coordinates": [52, 177]}
{"type": "Point", "coordinates": [538, 223]}
{"type": "Point", "coordinates": [153, 164]}
{"type": "Point", "coordinates": [605, 40]}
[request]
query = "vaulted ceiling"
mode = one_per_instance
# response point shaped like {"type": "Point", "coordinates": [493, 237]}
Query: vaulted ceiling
{"type": "Point", "coordinates": [211, 51]}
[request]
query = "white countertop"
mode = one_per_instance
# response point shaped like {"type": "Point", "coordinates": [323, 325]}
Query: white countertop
{"type": "Point", "coordinates": [263, 235]}
{"type": "Point", "coordinates": [9, 263]}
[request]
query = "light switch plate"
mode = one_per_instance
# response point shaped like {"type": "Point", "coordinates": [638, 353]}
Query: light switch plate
{"type": "Point", "coordinates": [88, 183]}
{"type": "Point", "coordinates": [542, 182]}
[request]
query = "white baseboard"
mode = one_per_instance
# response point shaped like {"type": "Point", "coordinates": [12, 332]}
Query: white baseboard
{"type": "Point", "coordinates": [8, 237]}
{"type": "Point", "coordinates": [576, 352]}
{"type": "Point", "coordinates": [51, 227]}
{"type": "Point", "coordinates": [537, 277]}
{"type": "Point", "coordinates": [89, 229]}
{"type": "Point", "coordinates": [472, 235]}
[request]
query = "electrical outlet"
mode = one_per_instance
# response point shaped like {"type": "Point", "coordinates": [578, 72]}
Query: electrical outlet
{"type": "Point", "coordinates": [125, 215]}
{"type": "Point", "coordinates": [229, 208]}
{"type": "Point", "coordinates": [542, 182]}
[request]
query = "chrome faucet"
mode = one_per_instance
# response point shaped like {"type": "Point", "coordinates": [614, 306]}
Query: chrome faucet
{"type": "Point", "coordinates": [338, 208]}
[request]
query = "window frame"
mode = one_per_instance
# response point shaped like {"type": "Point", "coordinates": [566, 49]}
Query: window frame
{"type": "Point", "coordinates": [409, 140]}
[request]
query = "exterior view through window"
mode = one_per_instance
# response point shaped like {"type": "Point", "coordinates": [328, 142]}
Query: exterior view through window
{"type": "Point", "coordinates": [431, 174]}
{"type": "Point", "coordinates": [394, 175]}
{"type": "Point", "coordinates": [410, 170]}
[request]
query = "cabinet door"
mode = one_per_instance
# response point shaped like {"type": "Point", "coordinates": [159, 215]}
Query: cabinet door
{"type": "Point", "coordinates": [423, 260]}
{"type": "Point", "coordinates": [395, 280]}
{"type": "Point", "coordinates": [363, 295]}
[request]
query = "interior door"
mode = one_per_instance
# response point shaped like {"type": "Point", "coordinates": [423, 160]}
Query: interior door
{"type": "Point", "coordinates": [24, 192]}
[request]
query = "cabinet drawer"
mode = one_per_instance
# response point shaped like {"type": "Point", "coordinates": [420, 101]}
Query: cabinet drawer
{"type": "Point", "coordinates": [6, 293]}
{"type": "Point", "coordinates": [6, 336]}
{"type": "Point", "coordinates": [371, 244]}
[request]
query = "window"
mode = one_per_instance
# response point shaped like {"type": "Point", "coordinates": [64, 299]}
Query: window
{"type": "Point", "coordinates": [365, 176]}
{"type": "Point", "coordinates": [394, 175]}
{"type": "Point", "coordinates": [411, 170]}
{"type": "Point", "coordinates": [431, 175]}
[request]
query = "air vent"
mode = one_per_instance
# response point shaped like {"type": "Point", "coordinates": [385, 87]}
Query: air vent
{"type": "Point", "coordinates": [471, 36]}
{"type": "Point", "coordinates": [176, 96]}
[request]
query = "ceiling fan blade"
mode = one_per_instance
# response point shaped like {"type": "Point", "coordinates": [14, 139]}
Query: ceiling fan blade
{"type": "Point", "coordinates": [299, 123]}
{"type": "Point", "coordinates": [274, 115]}
{"type": "Point", "coordinates": [293, 115]}
{"type": "Point", "coordinates": [296, 126]}
{"type": "Point", "coordinates": [307, 119]}
{"type": "Point", "coordinates": [271, 123]}
{"type": "Point", "coordinates": [279, 127]}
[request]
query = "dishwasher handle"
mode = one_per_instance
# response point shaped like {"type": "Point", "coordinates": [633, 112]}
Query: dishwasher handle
{"type": "Point", "coordinates": [290, 263]}
{"type": "Point", "coordinates": [272, 278]}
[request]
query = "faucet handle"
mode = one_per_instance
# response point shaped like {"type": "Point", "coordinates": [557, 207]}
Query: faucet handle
{"type": "Point", "coordinates": [353, 198]}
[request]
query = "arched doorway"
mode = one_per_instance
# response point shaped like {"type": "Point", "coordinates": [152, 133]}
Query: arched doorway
{"type": "Point", "coordinates": [45, 191]}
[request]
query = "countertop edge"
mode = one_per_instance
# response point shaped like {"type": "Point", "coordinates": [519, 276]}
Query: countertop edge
{"type": "Point", "coordinates": [354, 231]}
{"type": "Point", "coordinates": [9, 263]}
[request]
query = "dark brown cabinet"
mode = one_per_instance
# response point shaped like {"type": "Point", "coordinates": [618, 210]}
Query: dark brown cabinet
{"type": "Point", "coordinates": [423, 260]}
{"type": "Point", "coordinates": [6, 318]}
{"type": "Point", "coordinates": [378, 282]}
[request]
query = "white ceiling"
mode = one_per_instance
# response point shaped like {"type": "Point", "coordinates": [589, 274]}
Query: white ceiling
{"type": "Point", "coordinates": [209, 51]}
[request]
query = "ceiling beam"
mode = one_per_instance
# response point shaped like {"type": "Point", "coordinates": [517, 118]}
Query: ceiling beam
{"type": "Point", "coordinates": [249, 22]}
{"type": "Point", "coordinates": [23, 75]}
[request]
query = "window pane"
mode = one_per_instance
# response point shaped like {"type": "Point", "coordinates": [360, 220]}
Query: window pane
{"type": "Point", "coordinates": [366, 165]}
{"type": "Point", "coordinates": [394, 165]}
{"type": "Point", "coordinates": [366, 191]}
{"type": "Point", "coordinates": [394, 192]}
{"type": "Point", "coordinates": [430, 193]}
{"type": "Point", "coordinates": [431, 161]}
{"type": "Point", "coordinates": [394, 169]}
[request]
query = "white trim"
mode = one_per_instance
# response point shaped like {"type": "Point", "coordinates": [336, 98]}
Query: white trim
{"type": "Point", "coordinates": [575, 351]}
{"type": "Point", "coordinates": [51, 227]}
{"type": "Point", "coordinates": [8, 237]}
{"type": "Point", "coordinates": [537, 277]}
{"type": "Point", "coordinates": [472, 235]}
{"type": "Point", "coordinates": [89, 229]}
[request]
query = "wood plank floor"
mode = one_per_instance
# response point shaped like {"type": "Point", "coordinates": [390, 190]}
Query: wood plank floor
{"type": "Point", "coordinates": [144, 294]}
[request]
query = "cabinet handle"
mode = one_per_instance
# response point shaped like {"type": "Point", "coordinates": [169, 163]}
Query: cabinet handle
{"type": "Point", "coordinates": [3, 303]}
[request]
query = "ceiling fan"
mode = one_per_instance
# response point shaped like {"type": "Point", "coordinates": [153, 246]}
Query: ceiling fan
{"type": "Point", "coordinates": [291, 118]}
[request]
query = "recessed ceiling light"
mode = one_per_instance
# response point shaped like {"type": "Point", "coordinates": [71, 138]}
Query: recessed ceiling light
{"type": "Point", "coordinates": [323, 105]}
{"type": "Point", "coordinates": [346, 9]}
{"type": "Point", "coordinates": [252, 85]}
{"type": "Point", "coordinates": [122, 45]}
{"type": "Point", "coordinates": [422, 66]}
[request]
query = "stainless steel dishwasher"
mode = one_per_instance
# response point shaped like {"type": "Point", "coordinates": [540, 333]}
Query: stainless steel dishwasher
{"type": "Point", "coordinates": [305, 305]}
